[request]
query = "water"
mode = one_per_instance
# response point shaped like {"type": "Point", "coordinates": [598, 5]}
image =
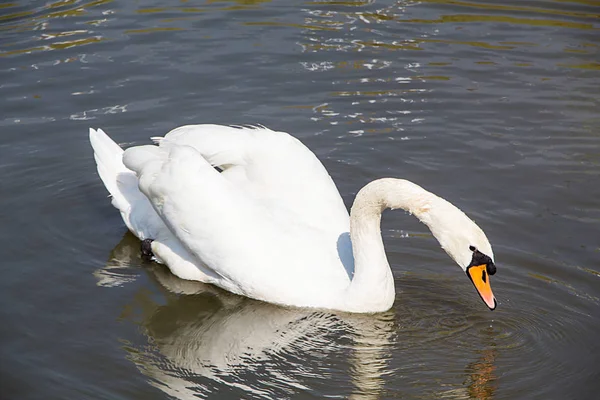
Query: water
{"type": "Point", "coordinates": [492, 105]}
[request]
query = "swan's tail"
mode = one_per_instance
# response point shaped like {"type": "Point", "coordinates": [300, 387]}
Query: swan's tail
{"type": "Point", "coordinates": [108, 156]}
{"type": "Point", "coordinates": [122, 184]}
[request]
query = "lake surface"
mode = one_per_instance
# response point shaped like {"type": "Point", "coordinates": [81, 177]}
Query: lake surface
{"type": "Point", "coordinates": [494, 106]}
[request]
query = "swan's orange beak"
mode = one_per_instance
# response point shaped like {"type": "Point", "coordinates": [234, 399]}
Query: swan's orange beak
{"type": "Point", "coordinates": [481, 280]}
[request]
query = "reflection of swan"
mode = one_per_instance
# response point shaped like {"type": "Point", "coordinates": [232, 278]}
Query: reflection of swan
{"type": "Point", "coordinates": [202, 337]}
{"type": "Point", "coordinates": [481, 381]}
{"type": "Point", "coordinates": [116, 271]}
{"type": "Point", "coordinates": [272, 225]}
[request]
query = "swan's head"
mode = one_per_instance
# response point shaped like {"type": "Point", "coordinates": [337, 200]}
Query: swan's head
{"type": "Point", "coordinates": [479, 271]}
{"type": "Point", "coordinates": [466, 243]}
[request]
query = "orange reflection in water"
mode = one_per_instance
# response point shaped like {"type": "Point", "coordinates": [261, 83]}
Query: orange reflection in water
{"type": "Point", "coordinates": [481, 380]}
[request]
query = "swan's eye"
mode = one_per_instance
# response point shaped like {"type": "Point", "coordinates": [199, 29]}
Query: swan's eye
{"type": "Point", "coordinates": [472, 248]}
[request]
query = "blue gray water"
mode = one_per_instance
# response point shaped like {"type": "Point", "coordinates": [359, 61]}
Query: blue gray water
{"type": "Point", "coordinates": [493, 105]}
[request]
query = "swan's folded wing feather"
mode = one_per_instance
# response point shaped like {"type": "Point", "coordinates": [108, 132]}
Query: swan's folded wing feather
{"type": "Point", "coordinates": [117, 169]}
{"type": "Point", "coordinates": [210, 216]}
{"type": "Point", "coordinates": [220, 145]}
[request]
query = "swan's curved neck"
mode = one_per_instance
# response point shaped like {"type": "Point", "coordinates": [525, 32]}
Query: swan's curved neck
{"type": "Point", "coordinates": [372, 287]}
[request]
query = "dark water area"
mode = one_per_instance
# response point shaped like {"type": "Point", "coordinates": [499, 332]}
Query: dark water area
{"type": "Point", "coordinates": [494, 106]}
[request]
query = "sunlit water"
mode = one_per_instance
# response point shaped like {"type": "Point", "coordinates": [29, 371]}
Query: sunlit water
{"type": "Point", "coordinates": [492, 105]}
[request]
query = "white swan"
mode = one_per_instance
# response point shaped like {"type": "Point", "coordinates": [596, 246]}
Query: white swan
{"type": "Point", "coordinates": [272, 225]}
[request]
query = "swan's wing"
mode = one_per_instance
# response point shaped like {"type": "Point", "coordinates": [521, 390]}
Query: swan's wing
{"type": "Point", "coordinates": [272, 167]}
{"type": "Point", "coordinates": [227, 230]}
{"type": "Point", "coordinates": [136, 210]}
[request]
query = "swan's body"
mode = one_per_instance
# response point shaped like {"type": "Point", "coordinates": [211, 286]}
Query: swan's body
{"type": "Point", "coordinates": [272, 225]}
